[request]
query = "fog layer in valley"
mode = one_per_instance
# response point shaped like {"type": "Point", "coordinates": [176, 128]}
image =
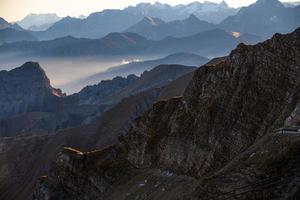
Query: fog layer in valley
{"type": "Point", "coordinates": [63, 72]}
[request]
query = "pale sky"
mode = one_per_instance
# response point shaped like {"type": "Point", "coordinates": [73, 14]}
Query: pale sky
{"type": "Point", "coordinates": [13, 10]}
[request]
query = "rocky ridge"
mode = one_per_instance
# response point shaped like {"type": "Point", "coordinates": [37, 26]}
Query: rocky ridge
{"type": "Point", "coordinates": [218, 138]}
{"type": "Point", "coordinates": [26, 89]}
{"type": "Point", "coordinates": [31, 106]}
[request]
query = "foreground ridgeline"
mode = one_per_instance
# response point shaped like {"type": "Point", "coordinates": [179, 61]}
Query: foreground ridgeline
{"type": "Point", "coordinates": [218, 141]}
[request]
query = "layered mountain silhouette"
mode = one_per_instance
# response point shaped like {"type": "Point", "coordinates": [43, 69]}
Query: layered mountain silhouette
{"type": "Point", "coordinates": [204, 144]}
{"type": "Point", "coordinates": [263, 18]}
{"type": "Point", "coordinates": [100, 24]}
{"type": "Point", "coordinates": [3, 23]}
{"type": "Point", "coordinates": [26, 89]}
{"type": "Point", "coordinates": [10, 35]}
{"type": "Point", "coordinates": [27, 96]}
{"type": "Point", "coordinates": [156, 29]}
{"type": "Point", "coordinates": [208, 43]}
{"type": "Point", "coordinates": [178, 126]}
{"type": "Point", "coordinates": [38, 22]}
{"type": "Point", "coordinates": [137, 68]}
{"type": "Point", "coordinates": [13, 33]}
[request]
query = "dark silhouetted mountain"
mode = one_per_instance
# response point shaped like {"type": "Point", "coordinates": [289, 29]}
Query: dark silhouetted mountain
{"type": "Point", "coordinates": [137, 68]}
{"type": "Point", "coordinates": [3, 23]}
{"type": "Point", "coordinates": [263, 18]}
{"type": "Point", "coordinates": [217, 141]}
{"type": "Point", "coordinates": [38, 22]}
{"type": "Point", "coordinates": [9, 35]}
{"type": "Point", "coordinates": [43, 109]}
{"type": "Point", "coordinates": [42, 150]}
{"type": "Point", "coordinates": [155, 78]}
{"type": "Point", "coordinates": [113, 91]}
{"type": "Point", "coordinates": [156, 29]}
{"type": "Point", "coordinates": [26, 89]}
{"type": "Point", "coordinates": [210, 43]}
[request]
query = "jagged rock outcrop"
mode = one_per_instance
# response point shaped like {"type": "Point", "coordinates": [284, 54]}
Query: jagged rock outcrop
{"type": "Point", "coordinates": [97, 93]}
{"type": "Point", "coordinates": [26, 89]}
{"type": "Point", "coordinates": [219, 135]}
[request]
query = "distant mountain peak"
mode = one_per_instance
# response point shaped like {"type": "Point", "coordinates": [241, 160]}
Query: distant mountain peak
{"type": "Point", "coordinates": [193, 17]}
{"type": "Point", "coordinates": [224, 4]}
{"type": "Point", "coordinates": [160, 5]}
{"type": "Point", "coordinates": [269, 3]}
{"type": "Point", "coordinates": [3, 23]}
{"type": "Point", "coordinates": [33, 68]}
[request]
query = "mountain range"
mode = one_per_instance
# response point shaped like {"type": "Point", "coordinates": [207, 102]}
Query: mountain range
{"type": "Point", "coordinates": [48, 109]}
{"type": "Point", "coordinates": [169, 132]}
{"type": "Point", "coordinates": [157, 21]}
{"type": "Point", "coordinates": [162, 20]}
{"type": "Point", "coordinates": [209, 43]}
{"type": "Point", "coordinates": [13, 33]}
{"type": "Point", "coordinates": [216, 141]}
{"type": "Point", "coordinates": [38, 22]}
{"type": "Point", "coordinates": [137, 68]}
{"type": "Point", "coordinates": [264, 18]}
{"type": "Point", "coordinates": [99, 24]}
{"type": "Point", "coordinates": [156, 29]}
{"type": "Point", "coordinates": [10, 35]}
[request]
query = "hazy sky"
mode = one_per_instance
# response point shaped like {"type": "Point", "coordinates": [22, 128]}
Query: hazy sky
{"type": "Point", "coordinates": [13, 10]}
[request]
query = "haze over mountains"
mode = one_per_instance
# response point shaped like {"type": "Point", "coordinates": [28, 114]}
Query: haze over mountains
{"type": "Point", "coordinates": [155, 102]}
{"type": "Point", "coordinates": [96, 26]}
{"type": "Point", "coordinates": [213, 42]}
{"type": "Point", "coordinates": [38, 22]}
{"type": "Point", "coordinates": [135, 67]}
{"type": "Point", "coordinates": [225, 117]}
{"type": "Point", "coordinates": [264, 18]}
{"type": "Point", "coordinates": [156, 29]}
{"type": "Point", "coordinates": [144, 32]}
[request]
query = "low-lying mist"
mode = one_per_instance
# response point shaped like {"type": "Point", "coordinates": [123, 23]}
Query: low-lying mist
{"type": "Point", "coordinates": [63, 72]}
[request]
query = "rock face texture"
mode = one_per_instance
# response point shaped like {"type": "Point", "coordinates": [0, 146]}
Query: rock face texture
{"type": "Point", "coordinates": [26, 89]}
{"type": "Point", "coordinates": [226, 108]}
{"type": "Point", "coordinates": [218, 138]}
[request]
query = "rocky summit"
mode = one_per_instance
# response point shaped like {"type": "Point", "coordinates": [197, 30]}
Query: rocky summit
{"type": "Point", "coordinates": [217, 141]}
{"type": "Point", "coordinates": [26, 89]}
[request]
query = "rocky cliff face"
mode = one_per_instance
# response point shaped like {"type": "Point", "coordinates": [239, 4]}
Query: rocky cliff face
{"type": "Point", "coordinates": [26, 89]}
{"type": "Point", "coordinates": [226, 108]}
{"type": "Point", "coordinates": [218, 138]}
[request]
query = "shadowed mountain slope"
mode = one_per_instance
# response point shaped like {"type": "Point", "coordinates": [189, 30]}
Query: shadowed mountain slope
{"type": "Point", "coordinates": [20, 168]}
{"type": "Point", "coordinates": [45, 110]}
{"type": "Point", "coordinates": [220, 133]}
{"type": "Point", "coordinates": [26, 89]}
